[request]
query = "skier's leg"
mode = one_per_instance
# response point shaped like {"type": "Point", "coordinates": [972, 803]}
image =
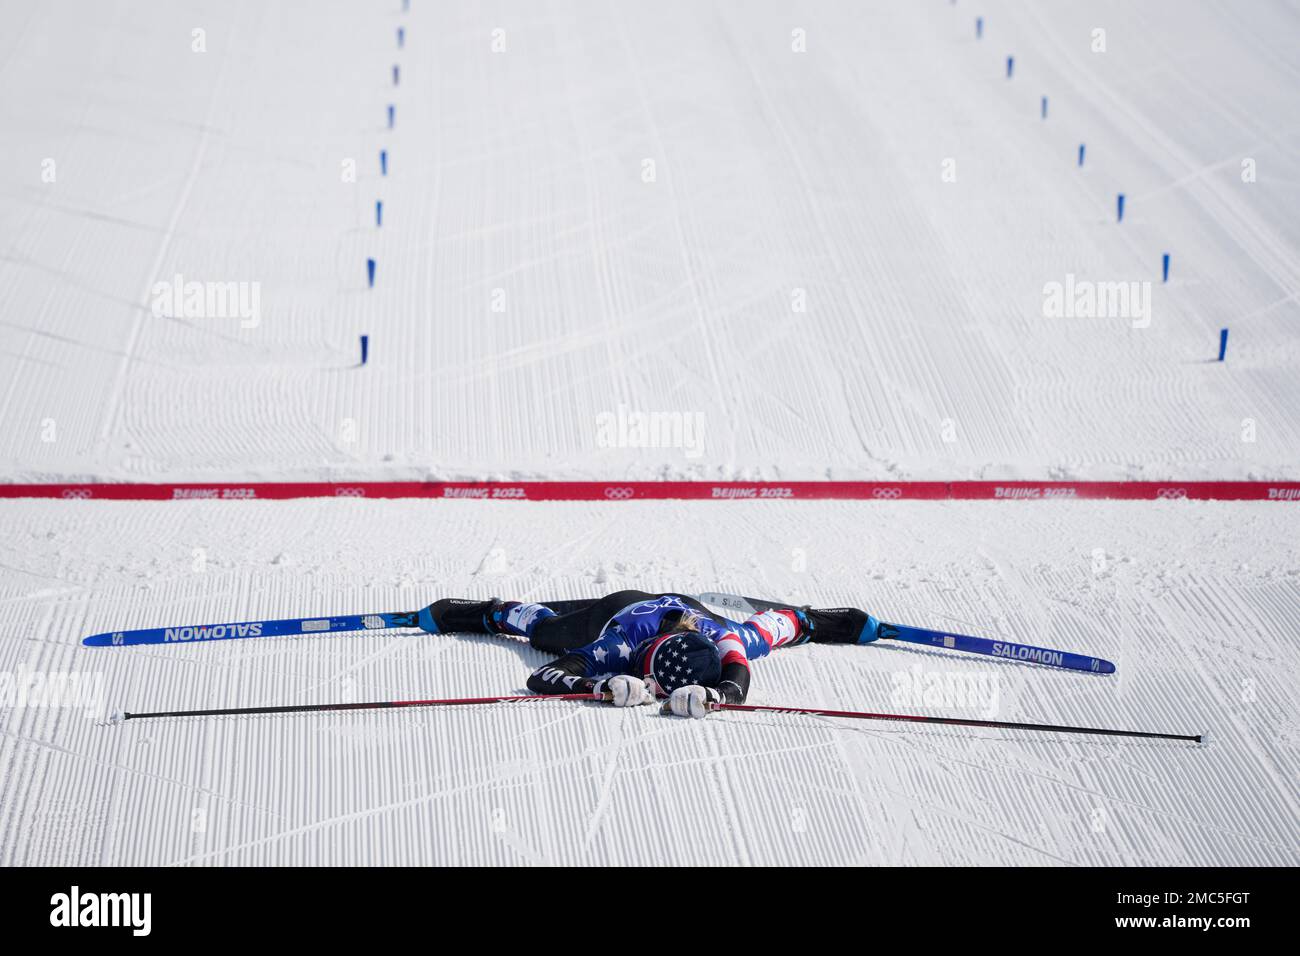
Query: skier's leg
{"type": "Point", "coordinates": [470, 616]}
{"type": "Point", "coordinates": [836, 625]}
{"type": "Point", "coordinates": [564, 607]}
{"type": "Point", "coordinates": [561, 633]}
{"type": "Point", "coordinates": [580, 627]}
{"type": "Point", "coordinates": [516, 618]}
{"type": "Point", "coordinates": [580, 624]}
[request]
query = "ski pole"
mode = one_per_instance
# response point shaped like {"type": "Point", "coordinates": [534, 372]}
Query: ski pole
{"type": "Point", "coordinates": [368, 705]}
{"type": "Point", "coordinates": [952, 721]}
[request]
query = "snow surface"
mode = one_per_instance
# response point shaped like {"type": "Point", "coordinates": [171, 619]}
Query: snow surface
{"type": "Point", "coordinates": [1197, 603]}
{"type": "Point", "coordinates": [517, 178]}
{"type": "Point", "coordinates": [923, 353]}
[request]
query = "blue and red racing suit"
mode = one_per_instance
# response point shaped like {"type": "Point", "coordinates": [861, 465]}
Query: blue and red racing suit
{"type": "Point", "coordinates": [612, 635]}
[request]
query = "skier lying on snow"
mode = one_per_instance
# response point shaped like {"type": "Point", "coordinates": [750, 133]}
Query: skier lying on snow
{"type": "Point", "coordinates": [635, 645]}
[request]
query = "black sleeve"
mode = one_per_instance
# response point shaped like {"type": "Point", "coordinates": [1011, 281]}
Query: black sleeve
{"type": "Point", "coordinates": [734, 683]}
{"type": "Point", "coordinates": [568, 675]}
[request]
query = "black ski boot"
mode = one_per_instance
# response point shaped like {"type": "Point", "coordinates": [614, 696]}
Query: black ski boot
{"type": "Point", "coordinates": [837, 625]}
{"type": "Point", "coordinates": [460, 616]}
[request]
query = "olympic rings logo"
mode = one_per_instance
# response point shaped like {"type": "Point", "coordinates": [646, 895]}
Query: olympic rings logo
{"type": "Point", "coordinates": [618, 494]}
{"type": "Point", "coordinates": [1171, 493]}
{"type": "Point", "coordinates": [349, 492]}
{"type": "Point", "coordinates": [886, 492]}
{"type": "Point", "coordinates": [77, 493]}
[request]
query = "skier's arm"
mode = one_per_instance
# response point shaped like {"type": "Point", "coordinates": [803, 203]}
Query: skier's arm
{"type": "Point", "coordinates": [568, 675]}
{"type": "Point", "coordinates": [733, 685]}
{"type": "Point", "coordinates": [743, 642]}
{"type": "Point", "coordinates": [573, 673]}
{"type": "Point", "coordinates": [737, 643]}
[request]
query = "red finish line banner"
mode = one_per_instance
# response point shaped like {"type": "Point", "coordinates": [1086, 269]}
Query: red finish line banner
{"type": "Point", "coordinates": [675, 490]}
{"type": "Point", "coordinates": [1127, 490]}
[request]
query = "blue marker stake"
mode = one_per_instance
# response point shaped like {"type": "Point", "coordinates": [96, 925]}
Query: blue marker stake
{"type": "Point", "coordinates": [379, 212]}
{"type": "Point", "coordinates": [1165, 267]}
{"type": "Point", "coordinates": [397, 74]}
{"type": "Point", "coordinates": [1081, 154]}
{"type": "Point", "coordinates": [370, 272]}
{"type": "Point", "coordinates": [1119, 208]}
{"type": "Point", "coordinates": [979, 27]}
{"type": "Point", "coordinates": [1044, 110]}
{"type": "Point", "coordinates": [365, 348]}
{"type": "Point", "coordinates": [383, 162]}
{"type": "Point", "coordinates": [1011, 65]}
{"type": "Point", "coordinates": [392, 113]}
{"type": "Point", "coordinates": [401, 37]}
{"type": "Point", "coordinates": [1223, 343]}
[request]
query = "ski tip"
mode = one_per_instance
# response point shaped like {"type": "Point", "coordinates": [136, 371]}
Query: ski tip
{"type": "Point", "coordinates": [98, 640]}
{"type": "Point", "coordinates": [1106, 667]}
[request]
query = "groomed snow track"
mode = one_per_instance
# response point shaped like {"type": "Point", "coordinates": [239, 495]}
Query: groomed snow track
{"type": "Point", "coordinates": [811, 245]}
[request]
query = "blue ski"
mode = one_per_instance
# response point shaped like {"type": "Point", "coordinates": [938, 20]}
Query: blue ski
{"type": "Point", "coordinates": [200, 633]}
{"type": "Point", "coordinates": [983, 645]}
{"type": "Point", "coordinates": [885, 631]}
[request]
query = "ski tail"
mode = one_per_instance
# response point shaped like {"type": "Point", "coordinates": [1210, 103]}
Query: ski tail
{"type": "Point", "coordinates": [744, 606]}
{"type": "Point", "coordinates": [885, 631]}
{"type": "Point", "coordinates": [204, 633]}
